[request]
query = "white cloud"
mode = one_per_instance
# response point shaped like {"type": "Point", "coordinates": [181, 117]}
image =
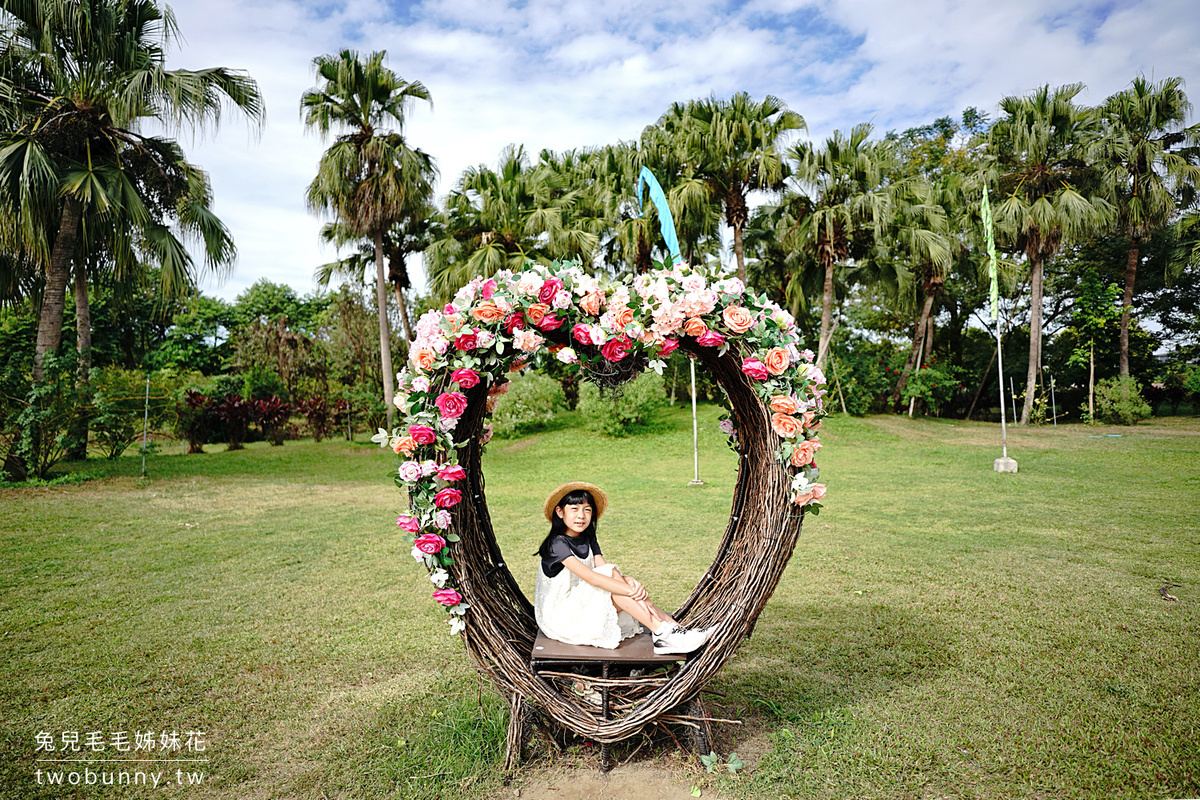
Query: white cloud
{"type": "Point", "coordinates": [556, 74]}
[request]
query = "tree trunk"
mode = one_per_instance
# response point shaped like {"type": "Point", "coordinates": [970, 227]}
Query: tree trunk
{"type": "Point", "coordinates": [1035, 336]}
{"type": "Point", "coordinates": [739, 252]}
{"type": "Point", "coordinates": [404, 323]}
{"type": "Point", "coordinates": [919, 335]}
{"type": "Point", "coordinates": [54, 298]}
{"type": "Point", "coordinates": [826, 315]}
{"type": "Point", "coordinates": [385, 333]}
{"type": "Point", "coordinates": [80, 425]}
{"type": "Point", "coordinates": [1127, 302]}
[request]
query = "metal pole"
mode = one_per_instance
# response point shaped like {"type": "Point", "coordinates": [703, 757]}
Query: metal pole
{"type": "Point", "coordinates": [1000, 373]}
{"type": "Point", "coordinates": [145, 425]}
{"type": "Point", "coordinates": [1053, 402]}
{"type": "Point", "coordinates": [695, 431]}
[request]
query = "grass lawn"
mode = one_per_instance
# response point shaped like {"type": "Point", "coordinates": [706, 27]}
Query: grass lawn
{"type": "Point", "coordinates": [942, 630]}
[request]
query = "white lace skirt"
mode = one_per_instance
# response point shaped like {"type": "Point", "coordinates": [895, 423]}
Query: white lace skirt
{"type": "Point", "coordinates": [571, 610]}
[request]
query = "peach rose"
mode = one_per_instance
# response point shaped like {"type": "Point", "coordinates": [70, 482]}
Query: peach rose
{"type": "Point", "coordinates": [694, 327]}
{"type": "Point", "coordinates": [406, 445]}
{"type": "Point", "coordinates": [738, 319]}
{"type": "Point", "coordinates": [776, 360]}
{"type": "Point", "coordinates": [487, 311]}
{"type": "Point", "coordinates": [536, 312]}
{"type": "Point", "coordinates": [422, 358]}
{"type": "Point", "coordinates": [784, 404]}
{"type": "Point", "coordinates": [591, 302]}
{"type": "Point", "coordinates": [786, 426]}
{"type": "Point", "coordinates": [805, 452]}
{"type": "Point", "coordinates": [622, 316]}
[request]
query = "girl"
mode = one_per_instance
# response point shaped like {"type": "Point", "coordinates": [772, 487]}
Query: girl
{"type": "Point", "coordinates": [582, 599]}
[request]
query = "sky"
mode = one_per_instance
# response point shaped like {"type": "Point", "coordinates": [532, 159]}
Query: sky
{"type": "Point", "coordinates": [570, 74]}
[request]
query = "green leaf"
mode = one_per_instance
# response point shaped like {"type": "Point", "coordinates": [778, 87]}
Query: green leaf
{"type": "Point", "coordinates": [734, 763]}
{"type": "Point", "coordinates": [709, 761]}
{"type": "Point", "coordinates": [695, 791]}
{"type": "Point", "coordinates": [452, 537]}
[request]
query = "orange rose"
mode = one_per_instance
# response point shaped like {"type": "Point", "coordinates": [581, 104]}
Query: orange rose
{"type": "Point", "coordinates": [805, 452]}
{"type": "Point", "coordinates": [785, 425]}
{"type": "Point", "coordinates": [487, 311]}
{"type": "Point", "coordinates": [776, 360]}
{"type": "Point", "coordinates": [406, 445]}
{"type": "Point", "coordinates": [622, 316]}
{"type": "Point", "coordinates": [423, 358]}
{"type": "Point", "coordinates": [694, 326]}
{"type": "Point", "coordinates": [738, 319]}
{"type": "Point", "coordinates": [537, 312]}
{"type": "Point", "coordinates": [591, 302]}
{"type": "Point", "coordinates": [784, 404]}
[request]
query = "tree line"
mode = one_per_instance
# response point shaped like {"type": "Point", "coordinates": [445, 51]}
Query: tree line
{"type": "Point", "coordinates": [875, 243]}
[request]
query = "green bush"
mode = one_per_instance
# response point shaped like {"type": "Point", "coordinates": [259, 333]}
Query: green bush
{"type": "Point", "coordinates": [122, 408]}
{"type": "Point", "coordinates": [1119, 401]}
{"type": "Point", "coordinates": [934, 386]}
{"type": "Point", "coordinates": [531, 403]}
{"type": "Point", "coordinates": [617, 416]}
{"type": "Point", "coordinates": [261, 383]}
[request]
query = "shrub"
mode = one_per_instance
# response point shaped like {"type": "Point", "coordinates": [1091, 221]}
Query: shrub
{"type": "Point", "coordinates": [617, 416]}
{"type": "Point", "coordinates": [273, 414]}
{"type": "Point", "coordinates": [1119, 401]}
{"type": "Point", "coordinates": [318, 414]}
{"type": "Point", "coordinates": [260, 383]}
{"type": "Point", "coordinates": [196, 419]}
{"type": "Point", "coordinates": [531, 403]}
{"type": "Point", "coordinates": [122, 409]}
{"type": "Point", "coordinates": [235, 415]}
{"type": "Point", "coordinates": [933, 386]}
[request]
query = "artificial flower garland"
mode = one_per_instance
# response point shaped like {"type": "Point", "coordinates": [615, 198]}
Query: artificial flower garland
{"type": "Point", "coordinates": [495, 325]}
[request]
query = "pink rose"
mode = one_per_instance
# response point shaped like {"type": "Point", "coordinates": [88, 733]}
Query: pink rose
{"type": "Point", "coordinates": [667, 347]}
{"type": "Point", "coordinates": [489, 288]}
{"type": "Point", "coordinates": [422, 434]}
{"type": "Point", "coordinates": [549, 290]}
{"type": "Point", "coordinates": [466, 378]}
{"type": "Point", "coordinates": [447, 497]}
{"type": "Point", "coordinates": [447, 597]}
{"type": "Point", "coordinates": [466, 342]}
{"type": "Point", "coordinates": [441, 518]}
{"type": "Point", "coordinates": [582, 333]}
{"type": "Point", "coordinates": [451, 472]}
{"type": "Point", "coordinates": [710, 338]}
{"type": "Point", "coordinates": [550, 322]}
{"type": "Point", "coordinates": [410, 524]}
{"type": "Point", "coordinates": [616, 348]}
{"type": "Point", "coordinates": [410, 471]}
{"type": "Point", "coordinates": [429, 543]}
{"type": "Point", "coordinates": [755, 369]}
{"type": "Point", "coordinates": [451, 404]}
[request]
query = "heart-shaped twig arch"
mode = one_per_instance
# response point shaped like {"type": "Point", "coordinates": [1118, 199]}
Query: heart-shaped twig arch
{"type": "Point", "coordinates": [774, 403]}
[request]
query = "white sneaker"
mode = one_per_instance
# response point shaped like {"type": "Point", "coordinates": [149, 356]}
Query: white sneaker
{"type": "Point", "coordinates": [678, 640]}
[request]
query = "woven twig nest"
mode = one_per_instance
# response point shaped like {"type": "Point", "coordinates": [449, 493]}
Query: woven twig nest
{"type": "Point", "coordinates": [747, 345]}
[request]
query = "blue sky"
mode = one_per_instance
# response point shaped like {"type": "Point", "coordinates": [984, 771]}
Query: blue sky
{"type": "Point", "coordinates": [573, 74]}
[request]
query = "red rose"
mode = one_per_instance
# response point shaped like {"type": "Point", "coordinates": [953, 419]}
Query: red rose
{"type": "Point", "coordinates": [447, 497]}
{"type": "Point", "coordinates": [616, 348]}
{"type": "Point", "coordinates": [514, 322]}
{"type": "Point", "coordinates": [667, 347]}
{"type": "Point", "coordinates": [466, 378]}
{"type": "Point", "coordinates": [549, 323]}
{"type": "Point", "coordinates": [451, 404]}
{"type": "Point", "coordinates": [451, 472]}
{"type": "Point", "coordinates": [466, 342]}
{"type": "Point", "coordinates": [429, 543]}
{"type": "Point", "coordinates": [422, 434]}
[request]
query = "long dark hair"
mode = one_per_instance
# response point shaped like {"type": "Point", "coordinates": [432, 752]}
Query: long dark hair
{"type": "Point", "coordinates": [557, 526]}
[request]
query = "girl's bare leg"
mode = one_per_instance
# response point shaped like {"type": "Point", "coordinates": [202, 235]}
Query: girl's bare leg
{"type": "Point", "coordinates": [643, 611]}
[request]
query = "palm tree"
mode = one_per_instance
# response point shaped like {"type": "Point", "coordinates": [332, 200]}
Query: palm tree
{"type": "Point", "coordinates": [730, 148]}
{"type": "Point", "coordinates": [369, 179]}
{"type": "Point", "coordinates": [1039, 149]}
{"type": "Point", "coordinates": [1145, 153]}
{"type": "Point", "coordinates": [79, 78]}
{"type": "Point", "coordinates": [502, 218]}
{"type": "Point", "coordinates": [842, 205]}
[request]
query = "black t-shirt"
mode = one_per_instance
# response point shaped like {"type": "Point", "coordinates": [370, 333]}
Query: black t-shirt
{"type": "Point", "coordinates": [562, 547]}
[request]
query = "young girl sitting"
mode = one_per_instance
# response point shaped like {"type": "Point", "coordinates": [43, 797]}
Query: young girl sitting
{"type": "Point", "coordinates": [582, 599]}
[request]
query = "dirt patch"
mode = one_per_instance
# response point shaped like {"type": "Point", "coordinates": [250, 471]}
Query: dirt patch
{"type": "Point", "coordinates": [635, 781]}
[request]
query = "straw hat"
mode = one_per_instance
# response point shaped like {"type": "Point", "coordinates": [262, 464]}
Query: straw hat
{"type": "Point", "coordinates": [558, 494]}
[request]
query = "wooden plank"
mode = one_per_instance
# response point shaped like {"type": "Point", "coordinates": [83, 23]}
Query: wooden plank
{"type": "Point", "coordinates": [637, 649]}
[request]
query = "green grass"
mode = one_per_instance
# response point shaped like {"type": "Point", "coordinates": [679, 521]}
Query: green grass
{"type": "Point", "coordinates": [941, 631]}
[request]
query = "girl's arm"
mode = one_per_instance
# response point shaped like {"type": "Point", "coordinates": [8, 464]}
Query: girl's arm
{"type": "Point", "coordinates": [615, 586]}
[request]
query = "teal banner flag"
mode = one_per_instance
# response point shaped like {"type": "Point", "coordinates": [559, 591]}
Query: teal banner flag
{"type": "Point", "coordinates": [665, 221]}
